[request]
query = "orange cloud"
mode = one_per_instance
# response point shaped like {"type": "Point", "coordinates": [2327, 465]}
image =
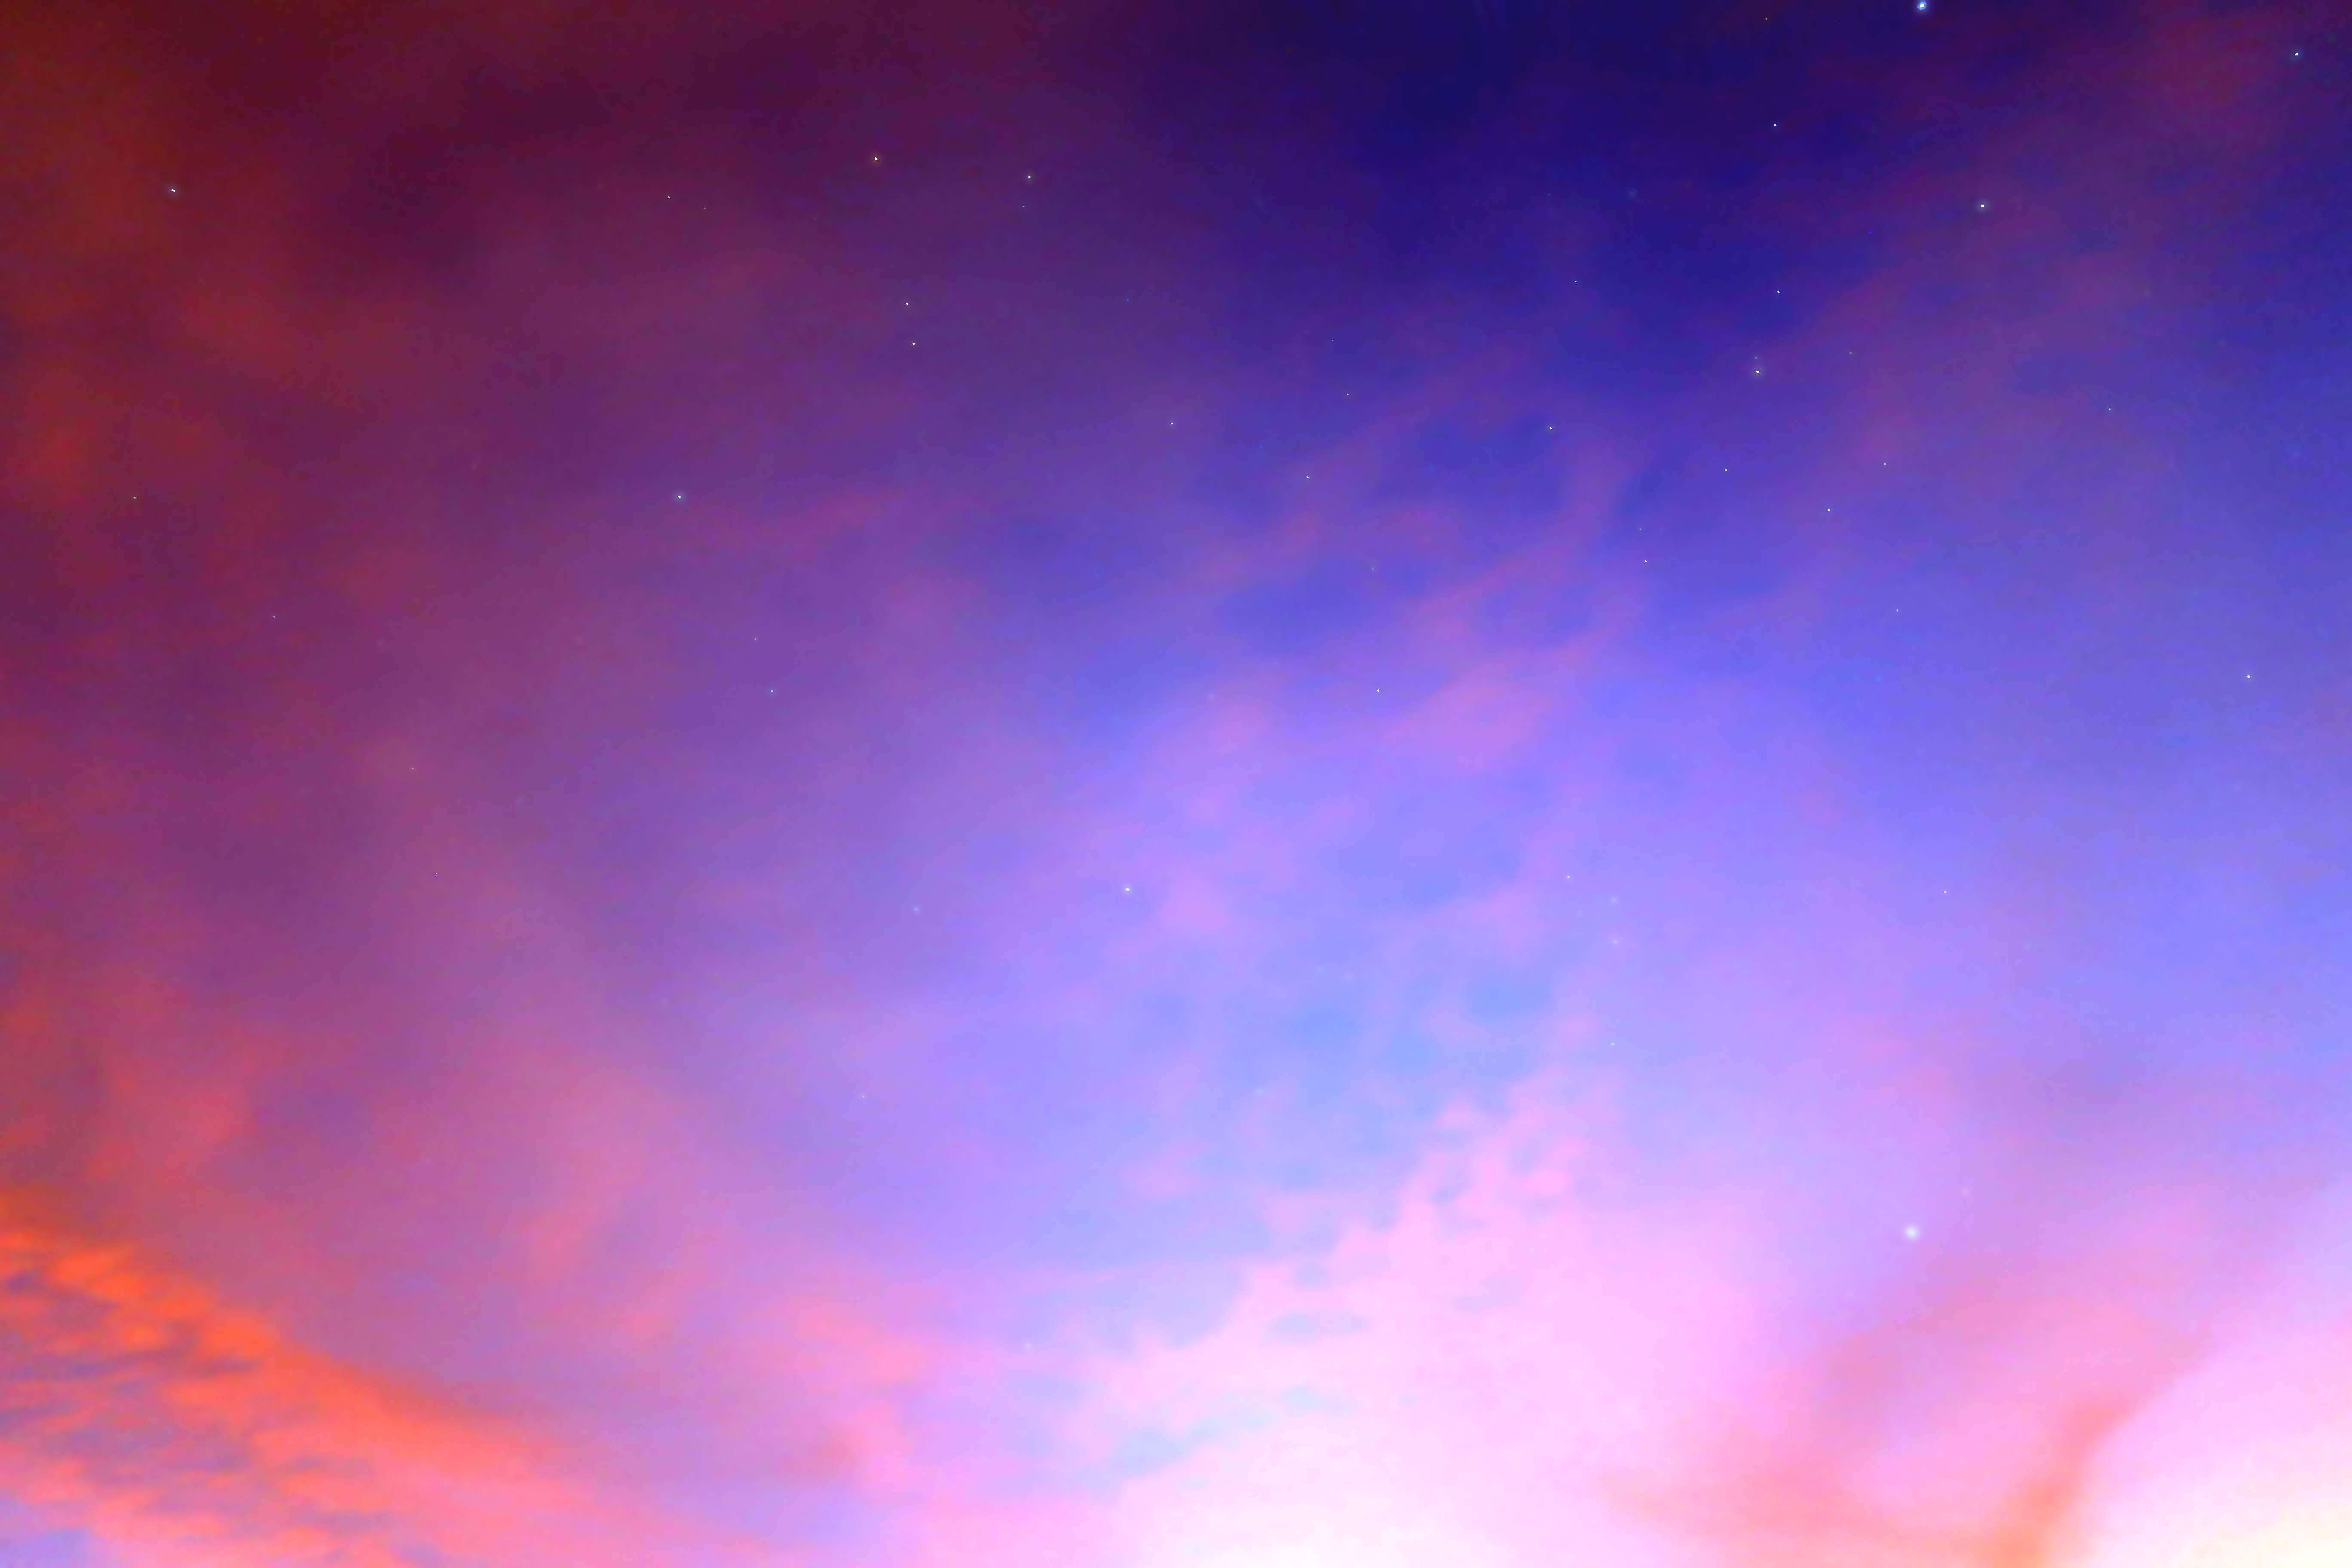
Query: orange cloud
{"type": "Point", "coordinates": [179, 1429]}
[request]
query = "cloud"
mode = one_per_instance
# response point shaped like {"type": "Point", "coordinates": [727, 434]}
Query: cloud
{"type": "Point", "coordinates": [181, 1429]}
{"type": "Point", "coordinates": [1462, 1378]}
{"type": "Point", "coordinates": [1536, 1354]}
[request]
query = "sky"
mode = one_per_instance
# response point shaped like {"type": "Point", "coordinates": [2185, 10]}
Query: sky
{"type": "Point", "coordinates": [1104, 784]}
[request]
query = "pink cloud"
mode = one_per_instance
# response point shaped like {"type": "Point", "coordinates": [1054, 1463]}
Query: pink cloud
{"type": "Point", "coordinates": [1472, 1376]}
{"type": "Point", "coordinates": [1526, 1357]}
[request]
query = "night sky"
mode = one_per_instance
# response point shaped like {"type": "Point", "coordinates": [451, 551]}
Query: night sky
{"type": "Point", "coordinates": [1246, 784]}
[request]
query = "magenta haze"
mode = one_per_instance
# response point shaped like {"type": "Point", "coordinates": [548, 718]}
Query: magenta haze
{"type": "Point", "coordinates": [1449, 783]}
